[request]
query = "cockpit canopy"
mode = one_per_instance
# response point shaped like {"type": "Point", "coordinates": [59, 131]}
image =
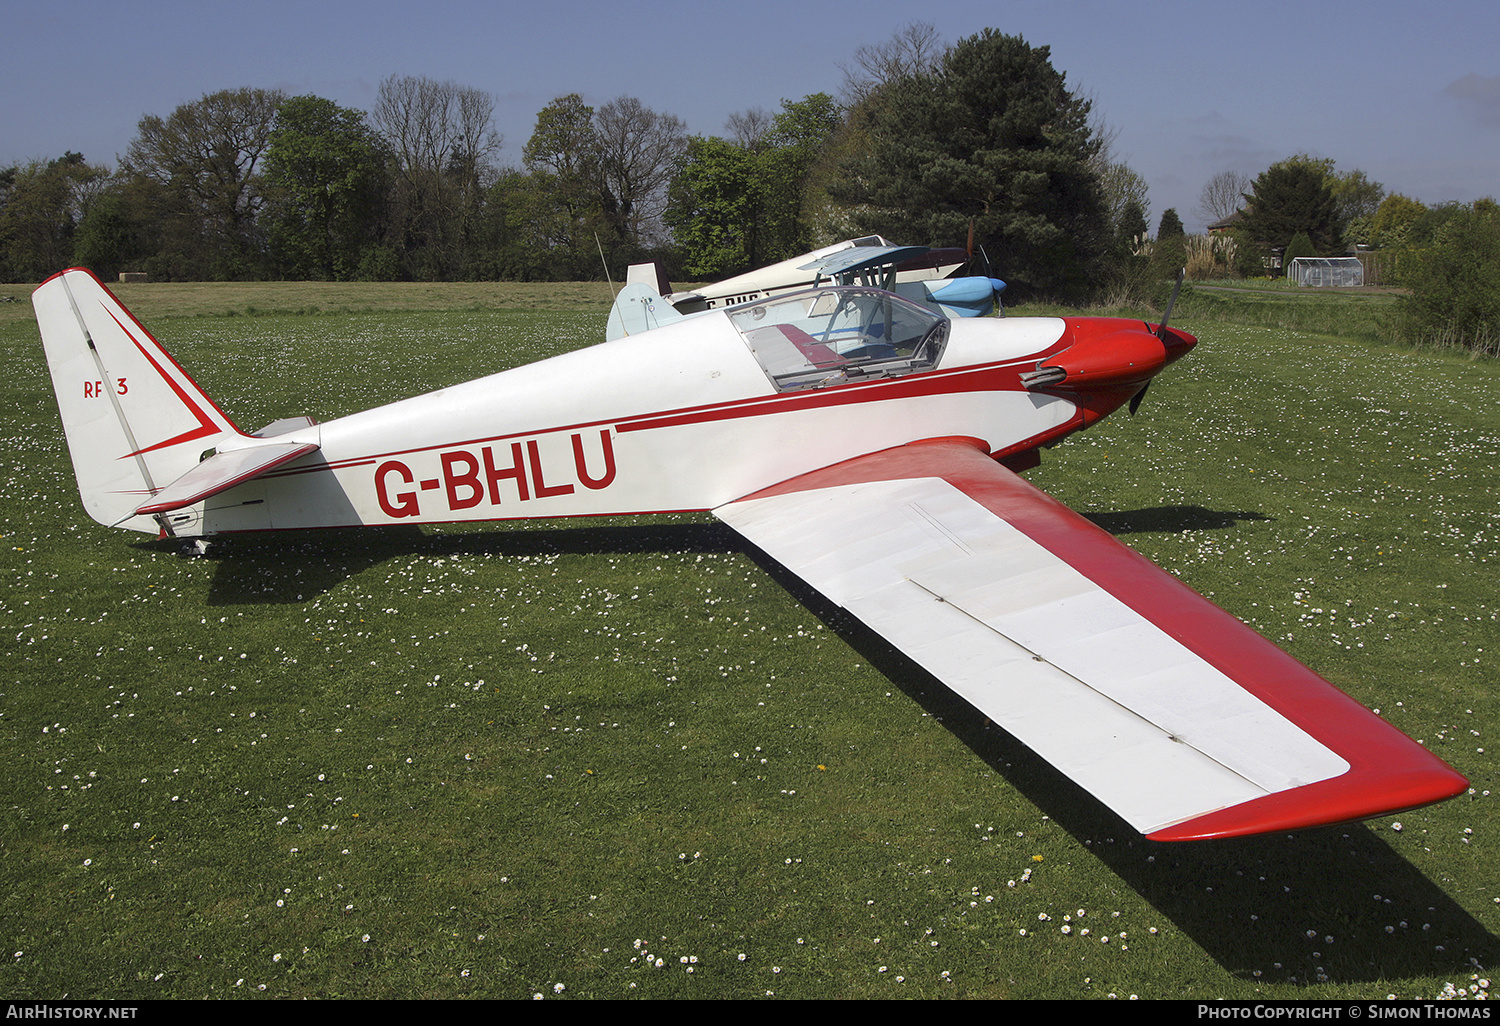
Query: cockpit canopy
{"type": "Point", "coordinates": [835, 336]}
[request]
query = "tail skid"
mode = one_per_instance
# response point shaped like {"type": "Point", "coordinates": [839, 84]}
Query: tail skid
{"type": "Point", "coordinates": [137, 425]}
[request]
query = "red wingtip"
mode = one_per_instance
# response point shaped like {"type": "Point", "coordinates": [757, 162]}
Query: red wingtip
{"type": "Point", "coordinates": [1344, 799]}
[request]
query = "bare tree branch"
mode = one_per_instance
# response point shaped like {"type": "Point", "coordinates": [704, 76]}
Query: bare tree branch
{"type": "Point", "coordinates": [915, 49]}
{"type": "Point", "coordinates": [1223, 195]}
{"type": "Point", "coordinates": [637, 151]}
{"type": "Point", "coordinates": [747, 128]}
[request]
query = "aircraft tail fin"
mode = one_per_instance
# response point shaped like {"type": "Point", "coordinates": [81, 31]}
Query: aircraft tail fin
{"type": "Point", "coordinates": [134, 420]}
{"type": "Point", "coordinates": [638, 308]}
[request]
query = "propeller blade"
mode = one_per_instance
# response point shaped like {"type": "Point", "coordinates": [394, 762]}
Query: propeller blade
{"type": "Point", "coordinates": [1167, 314]}
{"type": "Point", "coordinates": [1161, 333]}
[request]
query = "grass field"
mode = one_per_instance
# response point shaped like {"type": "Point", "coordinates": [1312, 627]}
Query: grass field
{"type": "Point", "coordinates": [605, 759]}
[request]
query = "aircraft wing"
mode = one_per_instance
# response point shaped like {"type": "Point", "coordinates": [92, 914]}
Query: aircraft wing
{"type": "Point", "coordinates": [860, 258]}
{"type": "Point", "coordinates": [1175, 714]}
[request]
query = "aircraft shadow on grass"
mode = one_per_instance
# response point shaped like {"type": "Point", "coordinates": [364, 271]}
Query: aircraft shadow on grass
{"type": "Point", "coordinates": [1170, 519]}
{"type": "Point", "coordinates": [1248, 902]}
{"type": "Point", "coordinates": [295, 566]}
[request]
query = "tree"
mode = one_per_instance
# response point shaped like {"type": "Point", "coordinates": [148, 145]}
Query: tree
{"type": "Point", "coordinates": [443, 139]}
{"type": "Point", "coordinates": [565, 213]}
{"type": "Point", "coordinates": [1356, 200]}
{"type": "Point", "coordinates": [44, 203]}
{"type": "Point", "coordinates": [206, 157]}
{"type": "Point", "coordinates": [805, 125]}
{"type": "Point", "coordinates": [505, 246]}
{"type": "Point", "coordinates": [735, 207]}
{"type": "Point", "coordinates": [1300, 246]}
{"type": "Point", "coordinates": [600, 178]}
{"type": "Point", "coordinates": [793, 174]}
{"type": "Point", "coordinates": [1222, 196]}
{"type": "Point", "coordinates": [1424, 229]}
{"type": "Point", "coordinates": [637, 151]}
{"type": "Point", "coordinates": [1355, 195]}
{"type": "Point", "coordinates": [109, 237]}
{"type": "Point", "coordinates": [1393, 219]}
{"type": "Point", "coordinates": [747, 129]}
{"type": "Point", "coordinates": [712, 206]}
{"type": "Point", "coordinates": [326, 178]}
{"type": "Point", "coordinates": [562, 145]}
{"type": "Point", "coordinates": [1169, 254]}
{"type": "Point", "coordinates": [1290, 197]}
{"type": "Point", "coordinates": [916, 49]}
{"type": "Point", "coordinates": [996, 138]}
{"type": "Point", "coordinates": [1124, 194]}
{"type": "Point", "coordinates": [1131, 227]}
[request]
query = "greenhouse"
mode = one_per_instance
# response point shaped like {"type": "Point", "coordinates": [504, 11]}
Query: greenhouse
{"type": "Point", "coordinates": [1339, 272]}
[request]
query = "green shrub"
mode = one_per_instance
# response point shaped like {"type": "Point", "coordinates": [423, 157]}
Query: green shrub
{"type": "Point", "coordinates": [1251, 258]}
{"type": "Point", "coordinates": [1300, 246]}
{"type": "Point", "coordinates": [1455, 283]}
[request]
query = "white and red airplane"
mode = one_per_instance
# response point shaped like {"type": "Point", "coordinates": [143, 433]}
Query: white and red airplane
{"type": "Point", "coordinates": [868, 444]}
{"type": "Point", "coordinates": [904, 265]}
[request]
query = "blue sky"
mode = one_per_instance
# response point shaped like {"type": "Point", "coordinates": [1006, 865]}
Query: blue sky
{"type": "Point", "coordinates": [1408, 93]}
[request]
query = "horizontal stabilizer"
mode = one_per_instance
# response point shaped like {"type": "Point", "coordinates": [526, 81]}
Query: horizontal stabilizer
{"type": "Point", "coordinates": [221, 472]}
{"type": "Point", "coordinates": [285, 425]}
